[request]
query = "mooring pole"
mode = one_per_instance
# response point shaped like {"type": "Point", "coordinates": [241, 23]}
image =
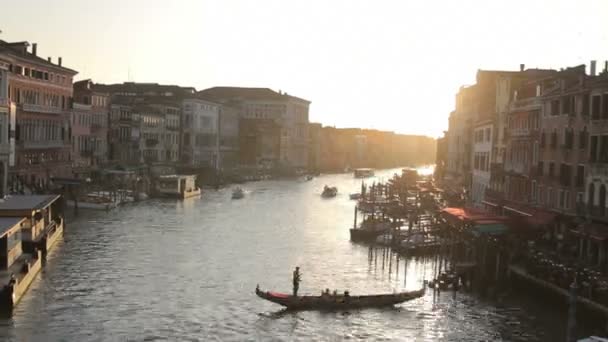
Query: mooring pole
{"type": "Point", "coordinates": [572, 312]}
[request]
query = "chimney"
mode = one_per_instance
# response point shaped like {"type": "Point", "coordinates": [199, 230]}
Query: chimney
{"type": "Point", "coordinates": [34, 49]}
{"type": "Point", "coordinates": [50, 59]}
{"type": "Point", "coordinates": [592, 72]}
{"type": "Point", "coordinates": [59, 61]}
{"type": "Point", "coordinates": [522, 67]}
{"type": "Point", "coordinates": [606, 66]}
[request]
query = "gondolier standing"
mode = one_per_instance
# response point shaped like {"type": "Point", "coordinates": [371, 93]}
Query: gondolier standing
{"type": "Point", "coordinates": [297, 277]}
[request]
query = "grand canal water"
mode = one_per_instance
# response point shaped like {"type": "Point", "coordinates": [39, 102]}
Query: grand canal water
{"type": "Point", "coordinates": [186, 271]}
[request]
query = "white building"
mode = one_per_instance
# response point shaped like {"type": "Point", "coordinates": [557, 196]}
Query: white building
{"type": "Point", "coordinates": [290, 112]}
{"type": "Point", "coordinates": [482, 154]}
{"type": "Point", "coordinates": [200, 132]}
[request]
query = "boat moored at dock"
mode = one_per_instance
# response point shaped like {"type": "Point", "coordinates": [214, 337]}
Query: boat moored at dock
{"type": "Point", "coordinates": [44, 221]}
{"type": "Point", "coordinates": [177, 186]}
{"type": "Point", "coordinates": [238, 193]}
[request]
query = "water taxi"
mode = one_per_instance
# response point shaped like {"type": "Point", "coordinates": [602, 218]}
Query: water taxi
{"type": "Point", "coordinates": [179, 186]}
{"type": "Point", "coordinates": [238, 193]}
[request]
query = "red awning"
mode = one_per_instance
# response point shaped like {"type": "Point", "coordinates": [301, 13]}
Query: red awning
{"type": "Point", "coordinates": [470, 214]}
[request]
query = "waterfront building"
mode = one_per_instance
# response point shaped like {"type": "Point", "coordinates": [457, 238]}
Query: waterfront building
{"type": "Point", "coordinates": [7, 130]}
{"type": "Point", "coordinates": [259, 142]}
{"type": "Point", "coordinates": [123, 134]}
{"type": "Point", "coordinates": [595, 103]}
{"type": "Point", "coordinates": [200, 133]}
{"type": "Point", "coordinates": [441, 156]}
{"type": "Point", "coordinates": [289, 112]}
{"type": "Point", "coordinates": [459, 138]}
{"type": "Point", "coordinates": [228, 137]}
{"type": "Point", "coordinates": [161, 106]}
{"type": "Point", "coordinates": [314, 146]}
{"type": "Point", "coordinates": [42, 93]}
{"type": "Point", "coordinates": [89, 128]}
{"type": "Point", "coordinates": [564, 142]}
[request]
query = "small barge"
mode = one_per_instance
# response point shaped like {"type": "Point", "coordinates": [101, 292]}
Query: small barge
{"type": "Point", "coordinates": [177, 186]}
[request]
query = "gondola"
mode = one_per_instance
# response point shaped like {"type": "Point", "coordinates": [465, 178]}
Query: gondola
{"type": "Point", "coordinates": [337, 302]}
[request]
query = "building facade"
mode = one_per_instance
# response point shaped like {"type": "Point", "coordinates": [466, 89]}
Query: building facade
{"type": "Point", "coordinates": [200, 132]}
{"type": "Point", "coordinates": [289, 112]}
{"type": "Point", "coordinates": [89, 127]}
{"type": "Point", "coordinates": [596, 183]}
{"type": "Point", "coordinates": [7, 111]}
{"type": "Point", "coordinates": [42, 92]}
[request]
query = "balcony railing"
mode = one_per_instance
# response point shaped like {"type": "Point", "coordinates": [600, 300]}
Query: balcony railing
{"type": "Point", "coordinates": [42, 144]}
{"type": "Point", "coordinates": [41, 109]}
{"type": "Point", "coordinates": [598, 169]}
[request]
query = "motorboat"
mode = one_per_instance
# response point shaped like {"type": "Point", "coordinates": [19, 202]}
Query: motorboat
{"type": "Point", "coordinates": [329, 191]}
{"type": "Point", "coordinates": [238, 193]}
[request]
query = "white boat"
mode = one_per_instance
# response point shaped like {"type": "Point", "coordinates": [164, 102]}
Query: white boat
{"type": "Point", "coordinates": [180, 186]}
{"type": "Point", "coordinates": [355, 196]}
{"type": "Point", "coordinates": [238, 193]}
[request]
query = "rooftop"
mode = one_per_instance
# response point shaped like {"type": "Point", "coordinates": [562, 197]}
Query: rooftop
{"type": "Point", "coordinates": [6, 223]}
{"type": "Point", "coordinates": [26, 202]}
{"type": "Point", "coordinates": [19, 50]}
{"type": "Point", "coordinates": [218, 93]}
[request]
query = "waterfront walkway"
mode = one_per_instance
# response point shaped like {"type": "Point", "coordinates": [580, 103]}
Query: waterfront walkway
{"type": "Point", "coordinates": [587, 303]}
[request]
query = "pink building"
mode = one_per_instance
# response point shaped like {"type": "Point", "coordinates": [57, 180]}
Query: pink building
{"type": "Point", "coordinates": [89, 128]}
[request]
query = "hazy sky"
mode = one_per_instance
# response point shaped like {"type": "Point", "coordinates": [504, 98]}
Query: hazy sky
{"type": "Point", "coordinates": [392, 65]}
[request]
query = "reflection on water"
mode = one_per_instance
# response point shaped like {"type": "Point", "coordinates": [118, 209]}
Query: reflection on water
{"type": "Point", "coordinates": [186, 270]}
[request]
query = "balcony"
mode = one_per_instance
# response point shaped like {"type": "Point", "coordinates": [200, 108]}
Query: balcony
{"type": "Point", "coordinates": [83, 107]}
{"type": "Point", "coordinates": [151, 142]}
{"type": "Point", "coordinates": [42, 144]}
{"type": "Point", "coordinates": [41, 109]}
{"type": "Point", "coordinates": [599, 170]}
{"type": "Point", "coordinates": [4, 102]}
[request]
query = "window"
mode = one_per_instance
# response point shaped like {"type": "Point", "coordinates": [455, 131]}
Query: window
{"type": "Point", "coordinates": [583, 136]}
{"type": "Point", "coordinates": [554, 139]}
{"type": "Point", "coordinates": [561, 199]}
{"type": "Point", "coordinates": [605, 106]}
{"type": "Point", "coordinates": [603, 157]}
{"type": "Point", "coordinates": [555, 107]}
{"type": "Point", "coordinates": [580, 175]}
{"type": "Point", "coordinates": [533, 193]}
{"type": "Point", "coordinates": [595, 107]}
{"type": "Point", "coordinates": [585, 109]}
{"type": "Point", "coordinates": [551, 166]}
{"type": "Point", "coordinates": [542, 140]}
{"type": "Point", "coordinates": [541, 168]}
{"type": "Point", "coordinates": [593, 153]}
